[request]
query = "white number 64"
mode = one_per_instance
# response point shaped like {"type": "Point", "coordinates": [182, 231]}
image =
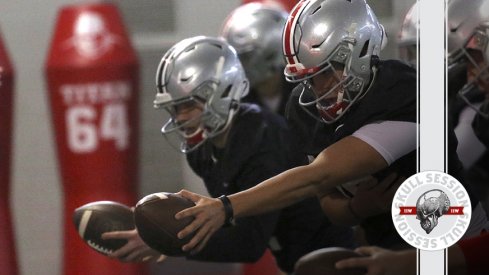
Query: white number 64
{"type": "Point", "coordinates": [82, 131]}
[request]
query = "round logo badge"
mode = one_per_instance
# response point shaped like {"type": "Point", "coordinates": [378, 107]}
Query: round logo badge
{"type": "Point", "coordinates": [431, 210]}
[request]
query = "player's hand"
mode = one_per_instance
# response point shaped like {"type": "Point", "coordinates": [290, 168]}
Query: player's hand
{"type": "Point", "coordinates": [379, 261]}
{"type": "Point", "coordinates": [209, 217]}
{"type": "Point", "coordinates": [373, 197]}
{"type": "Point", "coordinates": [135, 250]}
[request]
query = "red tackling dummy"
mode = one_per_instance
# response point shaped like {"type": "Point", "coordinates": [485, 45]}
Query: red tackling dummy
{"type": "Point", "coordinates": [92, 79]}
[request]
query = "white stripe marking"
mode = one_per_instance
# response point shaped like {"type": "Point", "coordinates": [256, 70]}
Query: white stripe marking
{"type": "Point", "coordinates": [161, 196]}
{"type": "Point", "coordinates": [84, 222]}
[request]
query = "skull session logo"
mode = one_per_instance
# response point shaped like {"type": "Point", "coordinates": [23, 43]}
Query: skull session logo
{"type": "Point", "coordinates": [431, 210]}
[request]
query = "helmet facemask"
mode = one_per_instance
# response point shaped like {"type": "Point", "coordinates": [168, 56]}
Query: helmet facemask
{"type": "Point", "coordinates": [343, 87]}
{"type": "Point", "coordinates": [189, 134]}
{"type": "Point", "coordinates": [473, 56]}
{"type": "Point", "coordinates": [183, 130]}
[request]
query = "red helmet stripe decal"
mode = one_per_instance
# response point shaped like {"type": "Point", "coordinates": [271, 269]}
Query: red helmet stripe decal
{"type": "Point", "coordinates": [288, 40]}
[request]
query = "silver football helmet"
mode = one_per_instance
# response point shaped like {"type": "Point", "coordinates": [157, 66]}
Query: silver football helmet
{"type": "Point", "coordinates": [255, 31]}
{"type": "Point", "coordinates": [324, 35]}
{"type": "Point", "coordinates": [468, 29]}
{"type": "Point", "coordinates": [407, 38]}
{"type": "Point", "coordinates": [201, 70]}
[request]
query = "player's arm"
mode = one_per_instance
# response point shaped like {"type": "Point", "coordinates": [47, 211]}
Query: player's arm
{"type": "Point", "coordinates": [345, 160]}
{"type": "Point", "coordinates": [372, 148]}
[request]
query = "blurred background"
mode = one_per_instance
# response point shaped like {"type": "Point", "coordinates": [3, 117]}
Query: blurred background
{"type": "Point", "coordinates": [36, 195]}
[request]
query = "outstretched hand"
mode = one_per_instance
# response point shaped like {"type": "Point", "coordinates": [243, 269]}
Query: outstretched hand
{"type": "Point", "coordinates": [208, 216]}
{"type": "Point", "coordinates": [135, 250]}
{"type": "Point", "coordinates": [379, 261]}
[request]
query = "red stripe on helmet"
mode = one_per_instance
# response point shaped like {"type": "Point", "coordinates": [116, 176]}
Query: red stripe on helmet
{"type": "Point", "coordinates": [288, 29]}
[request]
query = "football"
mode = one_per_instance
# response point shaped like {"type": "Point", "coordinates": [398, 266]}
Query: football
{"type": "Point", "coordinates": [156, 224]}
{"type": "Point", "coordinates": [93, 219]}
{"type": "Point", "coordinates": [322, 262]}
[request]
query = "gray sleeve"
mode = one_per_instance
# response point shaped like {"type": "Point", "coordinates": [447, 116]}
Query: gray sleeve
{"type": "Point", "coordinates": [469, 148]}
{"type": "Point", "coordinates": [391, 139]}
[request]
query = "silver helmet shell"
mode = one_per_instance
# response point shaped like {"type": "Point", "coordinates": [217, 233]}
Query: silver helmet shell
{"type": "Point", "coordinates": [407, 37]}
{"type": "Point", "coordinates": [255, 31]}
{"type": "Point", "coordinates": [206, 69]}
{"type": "Point", "coordinates": [321, 32]}
{"type": "Point", "coordinates": [465, 18]}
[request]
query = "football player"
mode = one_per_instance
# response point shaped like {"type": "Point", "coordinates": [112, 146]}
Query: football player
{"type": "Point", "coordinates": [331, 48]}
{"type": "Point", "coordinates": [468, 56]}
{"type": "Point", "coordinates": [255, 31]}
{"type": "Point", "coordinates": [466, 49]}
{"type": "Point", "coordinates": [233, 146]}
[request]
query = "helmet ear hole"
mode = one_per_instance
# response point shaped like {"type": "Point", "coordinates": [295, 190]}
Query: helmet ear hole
{"type": "Point", "coordinates": [226, 92]}
{"type": "Point", "coordinates": [364, 49]}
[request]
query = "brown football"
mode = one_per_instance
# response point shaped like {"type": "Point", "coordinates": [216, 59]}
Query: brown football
{"type": "Point", "coordinates": [156, 224]}
{"type": "Point", "coordinates": [322, 262]}
{"type": "Point", "coordinates": [93, 219]}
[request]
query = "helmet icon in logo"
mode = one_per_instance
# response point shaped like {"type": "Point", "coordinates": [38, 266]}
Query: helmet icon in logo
{"type": "Point", "coordinates": [430, 206]}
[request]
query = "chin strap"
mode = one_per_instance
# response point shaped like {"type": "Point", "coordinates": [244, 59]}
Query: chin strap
{"type": "Point", "coordinates": [194, 138]}
{"type": "Point", "coordinates": [232, 111]}
{"type": "Point", "coordinates": [374, 74]}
